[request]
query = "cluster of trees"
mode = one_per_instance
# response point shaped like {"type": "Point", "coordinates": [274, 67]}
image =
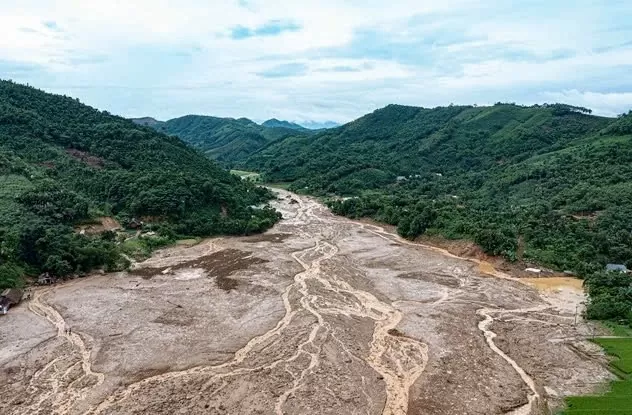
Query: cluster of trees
{"type": "Point", "coordinates": [610, 297]}
{"type": "Point", "coordinates": [62, 162]}
{"type": "Point", "coordinates": [546, 184]}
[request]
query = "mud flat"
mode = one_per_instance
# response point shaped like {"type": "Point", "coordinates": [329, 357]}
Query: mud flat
{"type": "Point", "coordinates": [321, 315]}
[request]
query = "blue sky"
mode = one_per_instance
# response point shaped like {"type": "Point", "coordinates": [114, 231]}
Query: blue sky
{"type": "Point", "coordinates": [319, 60]}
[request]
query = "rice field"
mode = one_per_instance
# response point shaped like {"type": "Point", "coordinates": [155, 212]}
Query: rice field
{"type": "Point", "coordinates": [618, 399]}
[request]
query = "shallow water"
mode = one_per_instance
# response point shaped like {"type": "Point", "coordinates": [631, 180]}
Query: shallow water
{"type": "Point", "coordinates": [555, 283]}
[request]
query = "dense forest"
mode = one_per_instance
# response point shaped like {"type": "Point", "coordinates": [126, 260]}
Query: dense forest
{"type": "Point", "coordinates": [226, 140]}
{"type": "Point", "coordinates": [63, 163]}
{"type": "Point", "coordinates": [548, 185]}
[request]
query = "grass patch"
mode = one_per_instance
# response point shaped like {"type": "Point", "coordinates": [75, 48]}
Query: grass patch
{"type": "Point", "coordinates": [247, 175]}
{"type": "Point", "coordinates": [618, 329]}
{"type": "Point", "coordinates": [618, 399]}
{"type": "Point", "coordinates": [135, 248]}
{"type": "Point", "coordinates": [188, 242]}
{"type": "Point", "coordinates": [622, 350]}
{"type": "Point", "coordinates": [280, 185]}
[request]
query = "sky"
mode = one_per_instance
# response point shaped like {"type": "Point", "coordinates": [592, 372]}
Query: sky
{"type": "Point", "coordinates": [325, 60]}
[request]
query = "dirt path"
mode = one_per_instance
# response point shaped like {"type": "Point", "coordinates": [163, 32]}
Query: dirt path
{"type": "Point", "coordinates": [76, 389]}
{"type": "Point", "coordinates": [489, 337]}
{"type": "Point", "coordinates": [334, 316]}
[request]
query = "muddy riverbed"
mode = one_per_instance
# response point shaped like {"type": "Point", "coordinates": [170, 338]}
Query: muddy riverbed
{"type": "Point", "coordinates": [321, 315]}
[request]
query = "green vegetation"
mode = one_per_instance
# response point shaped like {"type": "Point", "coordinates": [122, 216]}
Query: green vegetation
{"type": "Point", "coordinates": [64, 163]}
{"type": "Point", "coordinates": [618, 400]}
{"type": "Point", "coordinates": [226, 140]}
{"type": "Point", "coordinates": [549, 184]}
{"type": "Point", "coordinates": [247, 175]}
{"type": "Point", "coordinates": [618, 329]}
{"type": "Point", "coordinates": [274, 123]}
{"type": "Point", "coordinates": [610, 296]}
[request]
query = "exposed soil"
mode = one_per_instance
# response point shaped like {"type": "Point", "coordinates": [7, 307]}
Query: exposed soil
{"type": "Point", "coordinates": [269, 237]}
{"type": "Point", "coordinates": [321, 315]}
{"type": "Point", "coordinates": [90, 160]}
{"type": "Point", "coordinates": [219, 264]}
{"type": "Point", "coordinates": [101, 225]}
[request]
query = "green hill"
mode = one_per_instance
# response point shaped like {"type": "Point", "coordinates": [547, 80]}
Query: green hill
{"type": "Point", "coordinates": [274, 123]}
{"type": "Point", "coordinates": [226, 140]}
{"type": "Point", "coordinates": [63, 163]}
{"type": "Point", "coordinates": [550, 184]}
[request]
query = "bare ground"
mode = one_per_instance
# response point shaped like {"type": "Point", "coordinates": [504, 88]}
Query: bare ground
{"type": "Point", "coordinates": [321, 315]}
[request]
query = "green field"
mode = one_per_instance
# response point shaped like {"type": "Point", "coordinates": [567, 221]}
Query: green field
{"type": "Point", "coordinates": [247, 175]}
{"type": "Point", "coordinates": [618, 330]}
{"type": "Point", "coordinates": [618, 400]}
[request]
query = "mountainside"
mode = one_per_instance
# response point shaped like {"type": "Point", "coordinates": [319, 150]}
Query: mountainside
{"type": "Point", "coordinates": [548, 185]}
{"type": "Point", "coordinates": [147, 122]}
{"type": "Point", "coordinates": [545, 184]}
{"type": "Point", "coordinates": [64, 163]}
{"type": "Point", "coordinates": [226, 140]}
{"type": "Point", "coordinates": [274, 123]}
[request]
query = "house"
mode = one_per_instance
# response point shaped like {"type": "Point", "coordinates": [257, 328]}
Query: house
{"type": "Point", "coordinates": [135, 224]}
{"type": "Point", "coordinates": [45, 279]}
{"type": "Point", "coordinates": [10, 297]}
{"type": "Point", "coordinates": [616, 268]}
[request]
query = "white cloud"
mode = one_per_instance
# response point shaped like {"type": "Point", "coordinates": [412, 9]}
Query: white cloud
{"type": "Point", "coordinates": [157, 57]}
{"type": "Point", "coordinates": [609, 103]}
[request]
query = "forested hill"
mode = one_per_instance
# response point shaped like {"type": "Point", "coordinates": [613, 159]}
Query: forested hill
{"type": "Point", "coordinates": [550, 184]}
{"type": "Point", "coordinates": [274, 123]}
{"type": "Point", "coordinates": [226, 140]}
{"type": "Point", "coordinates": [62, 163]}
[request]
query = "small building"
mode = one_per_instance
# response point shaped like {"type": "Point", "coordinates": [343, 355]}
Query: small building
{"type": "Point", "coordinates": [533, 270]}
{"type": "Point", "coordinates": [135, 224]}
{"type": "Point", "coordinates": [401, 178]}
{"type": "Point", "coordinates": [10, 297]}
{"type": "Point", "coordinates": [616, 268]}
{"type": "Point", "coordinates": [45, 279]}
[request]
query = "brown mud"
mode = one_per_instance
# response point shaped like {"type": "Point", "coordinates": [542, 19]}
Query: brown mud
{"type": "Point", "coordinates": [321, 315]}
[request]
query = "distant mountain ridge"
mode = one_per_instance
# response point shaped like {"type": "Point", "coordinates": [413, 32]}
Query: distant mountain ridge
{"type": "Point", "coordinates": [274, 123]}
{"type": "Point", "coordinates": [303, 125]}
{"type": "Point", "coordinates": [231, 140]}
{"type": "Point", "coordinates": [227, 140]}
{"type": "Point", "coordinates": [318, 125]}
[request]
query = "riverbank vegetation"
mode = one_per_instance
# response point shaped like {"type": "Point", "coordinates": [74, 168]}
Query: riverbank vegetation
{"type": "Point", "coordinates": [63, 163]}
{"type": "Point", "coordinates": [548, 185]}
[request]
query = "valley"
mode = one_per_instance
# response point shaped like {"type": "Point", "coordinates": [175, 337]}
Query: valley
{"type": "Point", "coordinates": [321, 314]}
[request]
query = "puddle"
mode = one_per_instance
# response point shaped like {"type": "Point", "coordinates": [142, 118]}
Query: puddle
{"type": "Point", "coordinates": [486, 268]}
{"type": "Point", "coordinates": [555, 283]}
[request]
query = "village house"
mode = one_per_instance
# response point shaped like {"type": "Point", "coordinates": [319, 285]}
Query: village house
{"type": "Point", "coordinates": [45, 279]}
{"type": "Point", "coordinates": [616, 268]}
